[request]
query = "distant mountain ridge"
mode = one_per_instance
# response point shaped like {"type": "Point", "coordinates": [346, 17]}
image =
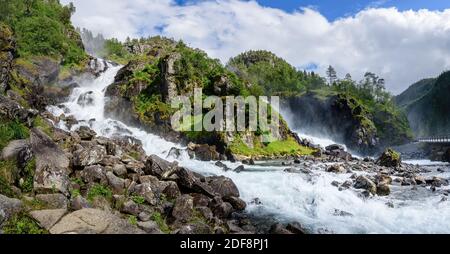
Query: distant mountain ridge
{"type": "Point", "coordinates": [426, 104]}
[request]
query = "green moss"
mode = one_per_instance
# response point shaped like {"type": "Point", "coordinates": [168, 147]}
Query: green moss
{"type": "Point", "coordinates": [75, 193]}
{"type": "Point", "coordinates": [43, 125]}
{"type": "Point", "coordinates": [78, 181]}
{"type": "Point", "coordinates": [98, 190]}
{"type": "Point", "coordinates": [23, 224]}
{"type": "Point", "coordinates": [161, 222]}
{"type": "Point", "coordinates": [34, 204]}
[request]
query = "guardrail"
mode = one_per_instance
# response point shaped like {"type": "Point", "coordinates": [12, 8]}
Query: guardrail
{"type": "Point", "coordinates": [437, 139]}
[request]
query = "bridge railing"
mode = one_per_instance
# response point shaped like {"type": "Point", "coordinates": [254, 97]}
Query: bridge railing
{"type": "Point", "coordinates": [435, 139]}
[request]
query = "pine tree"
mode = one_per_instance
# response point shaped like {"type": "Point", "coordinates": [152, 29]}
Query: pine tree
{"type": "Point", "coordinates": [331, 75]}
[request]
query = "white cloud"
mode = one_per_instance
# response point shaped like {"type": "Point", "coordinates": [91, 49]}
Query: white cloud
{"type": "Point", "coordinates": [402, 47]}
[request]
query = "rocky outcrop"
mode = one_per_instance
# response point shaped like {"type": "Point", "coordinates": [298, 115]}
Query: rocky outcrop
{"type": "Point", "coordinates": [7, 54]}
{"type": "Point", "coordinates": [93, 221]}
{"type": "Point", "coordinates": [389, 158]}
{"type": "Point", "coordinates": [52, 164]}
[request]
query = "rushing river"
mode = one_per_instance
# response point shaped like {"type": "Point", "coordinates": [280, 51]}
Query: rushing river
{"type": "Point", "coordinates": [307, 198]}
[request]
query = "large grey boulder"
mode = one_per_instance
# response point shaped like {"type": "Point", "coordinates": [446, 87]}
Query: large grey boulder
{"type": "Point", "coordinates": [52, 164]}
{"type": "Point", "coordinates": [48, 218]}
{"type": "Point", "coordinates": [89, 154]}
{"type": "Point", "coordinates": [93, 221]}
{"type": "Point", "coordinates": [18, 150]}
{"type": "Point", "coordinates": [9, 207]}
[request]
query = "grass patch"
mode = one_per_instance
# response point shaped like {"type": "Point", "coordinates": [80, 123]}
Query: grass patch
{"type": "Point", "coordinates": [43, 125]}
{"type": "Point", "coordinates": [23, 224]}
{"type": "Point", "coordinates": [99, 190]}
{"type": "Point", "coordinates": [12, 130]}
{"type": "Point", "coordinates": [132, 220]}
{"type": "Point", "coordinates": [75, 193]}
{"type": "Point", "coordinates": [160, 220]}
{"type": "Point", "coordinates": [279, 147]}
{"type": "Point", "coordinates": [5, 188]}
{"type": "Point", "coordinates": [138, 200]}
{"type": "Point", "coordinates": [34, 204]}
{"type": "Point", "coordinates": [9, 171]}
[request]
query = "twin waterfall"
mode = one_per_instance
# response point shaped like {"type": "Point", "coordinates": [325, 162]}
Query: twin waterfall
{"type": "Point", "coordinates": [309, 198]}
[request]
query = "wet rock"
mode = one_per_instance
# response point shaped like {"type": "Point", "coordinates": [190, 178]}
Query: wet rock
{"type": "Point", "coordinates": [192, 184]}
{"type": "Point", "coordinates": [239, 169]}
{"type": "Point", "coordinates": [362, 182]}
{"type": "Point", "coordinates": [53, 201]}
{"type": "Point", "coordinates": [334, 147]}
{"type": "Point", "coordinates": [256, 201]}
{"type": "Point", "coordinates": [341, 213]}
{"type": "Point", "coordinates": [203, 152]}
{"type": "Point", "coordinates": [175, 153]}
{"type": "Point", "coordinates": [383, 179]}
{"type": "Point", "coordinates": [86, 133]}
{"type": "Point", "coordinates": [420, 180]}
{"type": "Point", "coordinates": [279, 229]}
{"type": "Point", "coordinates": [389, 158]}
{"type": "Point", "coordinates": [237, 203]}
{"type": "Point", "coordinates": [296, 228]}
{"type": "Point", "coordinates": [222, 165]}
{"type": "Point", "coordinates": [48, 218]}
{"type": "Point", "coordinates": [335, 183]}
{"type": "Point", "coordinates": [86, 99]}
{"type": "Point", "coordinates": [383, 189]}
{"type": "Point", "coordinates": [52, 165]}
{"type": "Point", "coordinates": [436, 182]}
{"type": "Point", "coordinates": [9, 207]}
{"type": "Point", "coordinates": [223, 186]}
{"type": "Point", "coordinates": [93, 221]}
{"type": "Point", "coordinates": [336, 168]}
{"type": "Point", "coordinates": [183, 208]}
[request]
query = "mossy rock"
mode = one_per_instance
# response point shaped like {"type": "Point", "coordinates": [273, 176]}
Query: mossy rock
{"type": "Point", "coordinates": [390, 158]}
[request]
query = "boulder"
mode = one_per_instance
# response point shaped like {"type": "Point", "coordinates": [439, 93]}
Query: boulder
{"type": "Point", "coordinates": [117, 184]}
{"type": "Point", "coordinates": [52, 165]}
{"type": "Point", "coordinates": [383, 189]}
{"type": "Point", "coordinates": [237, 203]}
{"type": "Point", "coordinates": [86, 99]}
{"type": "Point", "coordinates": [9, 207]}
{"type": "Point", "coordinates": [192, 184]}
{"type": "Point", "coordinates": [14, 111]}
{"type": "Point", "coordinates": [17, 150]}
{"type": "Point", "coordinates": [130, 207]}
{"type": "Point", "coordinates": [279, 229]}
{"type": "Point", "coordinates": [203, 152]}
{"type": "Point", "coordinates": [296, 228]}
{"type": "Point", "coordinates": [220, 209]}
{"type": "Point", "coordinates": [336, 168]}
{"type": "Point", "coordinates": [362, 182]}
{"type": "Point", "coordinates": [78, 203]}
{"type": "Point", "coordinates": [93, 221]}
{"type": "Point", "coordinates": [145, 190]}
{"type": "Point", "coordinates": [48, 218]}
{"type": "Point", "coordinates": [94, 174]}
{"type": "Point", "coordinates": [120, 170]}
{"type": "Point", "coordinates": [335, 147]}
{"type": "Point", "coordinates": [389, 158]}
{"type": "Point", "coordinates": [183, 208]}
{"type": "Point", "coordinates": [223, 186]}
{"type": "Point", "coordinates": [86, 133]}
{"type": "Point", "coordinates": [88, 155]}
{"type": "Point", "coordinates": [150, 227]}
{"type": "Point", "coordinates": [156, 166]}
{"type": "Point", "coordinates": [53, 201]}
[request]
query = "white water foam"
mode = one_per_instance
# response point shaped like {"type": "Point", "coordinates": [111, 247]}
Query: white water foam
{"type": "Point", "coordinates": [311, 200]}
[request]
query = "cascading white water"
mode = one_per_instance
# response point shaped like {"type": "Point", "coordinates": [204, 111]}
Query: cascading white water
{"type": "Point", "coordinates": [309, 199]}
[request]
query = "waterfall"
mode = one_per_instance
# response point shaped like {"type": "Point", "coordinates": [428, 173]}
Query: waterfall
{"type": "Point", "coordinates": [309, 198]}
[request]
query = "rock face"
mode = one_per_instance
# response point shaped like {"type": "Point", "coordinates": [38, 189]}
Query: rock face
{"type": "Point", "coordinates": [7, 54]}
{"type": "Point", "coordinates": [92, 221]}
{"type": "Point", "coordinates": [389, 158]}
{"type": "Point", "coordinates": [52, 164]}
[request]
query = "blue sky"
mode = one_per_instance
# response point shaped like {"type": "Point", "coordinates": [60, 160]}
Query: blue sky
{"type": "Point", "coordinates": [334, 9]}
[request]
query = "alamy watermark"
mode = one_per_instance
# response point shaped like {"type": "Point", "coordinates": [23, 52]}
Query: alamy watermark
{"type": "Point", "coordinates": [237, 113]}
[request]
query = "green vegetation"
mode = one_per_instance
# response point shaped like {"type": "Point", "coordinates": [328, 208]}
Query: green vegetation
{"type": "Point", "coordinates": [138, 199]}
{"type": "Point", "coordinates": [43, 125]}
{"type": "Point", "coordinates": [28, 176]}
{"type": "Point", "coordinates": [132, 220]}
{"type": "Point", "coordinates": [269, 74]}
{"type": "Point", "coordinates": [279, 147]}
{"type": "Point", "coordinates": [12, 130]}
{"type": "Point", "coordinates": [43, 28]}
{"type": "Point", "coordinates": [5, 187]}
{"type": "Point", "coordinates": [98, 190]}
{"type": "Point", "coordinates": [23, 224]}
{"type": "Point", "coordinates": [426, 104]}
{"type": "Point", "coordinates": [161, 222]}
{"type": "Point", "coordinates": [75, 193]}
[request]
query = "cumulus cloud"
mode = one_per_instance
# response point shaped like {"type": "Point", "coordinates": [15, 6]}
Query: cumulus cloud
{"type": "Point", "coordinates": [402, 47]}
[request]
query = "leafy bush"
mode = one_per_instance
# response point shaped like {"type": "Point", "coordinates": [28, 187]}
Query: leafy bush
{"type": "Point", "coordinates": [23, 224]}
